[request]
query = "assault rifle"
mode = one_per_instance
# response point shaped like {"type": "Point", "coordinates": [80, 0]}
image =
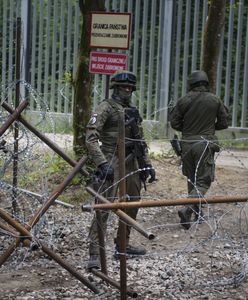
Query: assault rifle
{"type": "Point", "coordinates": [176, 145]}
{"type": "Point", "coordinates": [138, 146]}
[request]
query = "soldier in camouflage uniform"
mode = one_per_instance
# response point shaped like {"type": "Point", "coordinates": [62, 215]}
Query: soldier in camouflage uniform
{"type": "Point", "coordinates": [197, 115]}
{"type": "Point", "coordinates": [103, 128]}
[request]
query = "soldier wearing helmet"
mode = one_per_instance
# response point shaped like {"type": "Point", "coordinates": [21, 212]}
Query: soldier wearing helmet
{"type": "Point", "coordinates": [197, 116]}
{"type": "Point", "coordinates": [103, 128]}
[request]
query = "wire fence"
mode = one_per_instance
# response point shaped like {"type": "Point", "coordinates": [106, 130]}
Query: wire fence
{"type": "Point", "coordinates": [166, 45]}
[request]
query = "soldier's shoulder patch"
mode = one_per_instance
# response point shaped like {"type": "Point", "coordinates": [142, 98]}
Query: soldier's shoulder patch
{"type": "Point", "coordinates": [93, 119]}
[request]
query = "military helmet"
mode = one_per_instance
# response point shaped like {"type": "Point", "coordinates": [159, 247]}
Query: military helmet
{"type": "Point", "coordinates": [123, 77]}
{"type": "Point", "coordinates": [197, 77]}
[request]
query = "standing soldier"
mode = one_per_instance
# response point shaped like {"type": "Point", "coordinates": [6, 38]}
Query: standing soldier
{"type": "Point", "coordinates": [197, 115]}
{"type": "Point", "coordinates": [103, 128]}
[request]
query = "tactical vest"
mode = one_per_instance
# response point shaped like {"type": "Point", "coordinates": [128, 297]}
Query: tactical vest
{"type": "Point", "coordinates": [110, 129]}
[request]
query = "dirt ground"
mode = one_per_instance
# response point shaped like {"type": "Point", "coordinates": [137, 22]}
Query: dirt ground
{"type": "Point", "coordinates": [209, 261]}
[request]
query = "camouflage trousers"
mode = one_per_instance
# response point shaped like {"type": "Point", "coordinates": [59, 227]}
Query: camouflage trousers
{"type": "Point", "coordinates": [133, 188]}
{"type": "Point", "coordinates": [198, 167]}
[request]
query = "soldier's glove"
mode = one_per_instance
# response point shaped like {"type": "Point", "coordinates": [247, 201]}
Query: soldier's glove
{"type": "Point", "coordinates": [150, 172]}
{"type": "Point", "coordinates": [106, 172]}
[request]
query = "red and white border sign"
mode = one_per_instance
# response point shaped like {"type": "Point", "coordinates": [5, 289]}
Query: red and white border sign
{"type": "Point", "coordinates": [110, 30]}
{"type": "Point", "coordinates": [107, 63]}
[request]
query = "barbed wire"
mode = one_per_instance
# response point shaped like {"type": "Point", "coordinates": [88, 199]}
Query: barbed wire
{"type": "Point", "coordinates": [217, 244]}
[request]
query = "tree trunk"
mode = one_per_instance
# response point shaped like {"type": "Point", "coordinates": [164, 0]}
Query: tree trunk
{"type": "Point", "coordinates": [83, 79]}
{"type": "Point", "coordinates": [212, 40]}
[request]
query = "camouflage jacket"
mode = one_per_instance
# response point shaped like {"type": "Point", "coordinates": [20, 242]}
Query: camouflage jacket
{"type": "Point", "coordinates": [103, 128]}
{"type": "Point", "coordinates": [199, 113]}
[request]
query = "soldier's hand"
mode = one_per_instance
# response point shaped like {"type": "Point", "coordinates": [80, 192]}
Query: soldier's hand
{"type": "Point", "coordinates": [106, 172]}
{"type": "Point", "coordinates": [151, 172]}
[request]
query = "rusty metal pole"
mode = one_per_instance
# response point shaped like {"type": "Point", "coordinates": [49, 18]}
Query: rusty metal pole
{"type": "Point", "coordinates": [36, 217]}
{"type": "Point", "coordinates": [114, 283]}
{"type": "Point", "coordinates": [42, 137]}
{"type": "Point", "coordinates": [16, 125]}
{"type": "Point", "coordinates": [101, 239]}
{"type": "Point", "coordinates": [126, 218]}
{"type": "Point", "coordinates": [13, 117]}
{"type": "Point", "coordinates": [69, 268]}
{"type": "Point", "coordinates": [27, 235]}
{"type": "Point", "coordinates": [8, 230]}
{"type": "Point", "coordinates": [122, 198]}
{"type": "Point", "coordinates": [9, 251]}
{"type": "Point", "coordinates": [159, 203]}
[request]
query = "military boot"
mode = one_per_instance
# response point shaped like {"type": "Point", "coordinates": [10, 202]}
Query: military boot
{"type": "Point", "coordinates": [185, 216]}
{"type": "Point", "coordinates": [94, 262]}
{"type": "Point", "coordinates": [130, 251]}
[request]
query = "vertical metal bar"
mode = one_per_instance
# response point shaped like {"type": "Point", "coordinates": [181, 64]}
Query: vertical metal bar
{"type": "Point", "coordinates": [178, 50]}
{"type": "Point", "coordinates": [229, 54]}
{"type": "Point", "coordinates": [75, 49]}
{"type": "Point", "coordinates": [113, 5]}
{"type": "Point", "coordinates": [186, 47]}
{"type": "Point", "coordinates": [75, 38]}
{"type": "Point", "coordinates": [47, 53]}
{"type": "Point", "coordinates": [104, 92]}
{"type": "Point", "coordinates": [101, 242]}
{"type": "Point", "coordinates": [159, 59]}
{"type": "Point", "coordinates": [122, 5]}
{"type": "Point", "coordinates": [151, 58]}
{"type": "Point", "coordinates": [40, 46]}
{"type": "Point", "coordinates": [166, 56]}
{"type": "Point", "coordinates": [237, 66]}
{"type": "Point", "coordinates": [172, 56]}
{"type": "Point", "coordinates": [25, 49]}
{"type": "Point", "coordinates": [245, 85]}
{"type": "Point", "coordinates": [11, 48]}
{"type": "Point", "coordinates": [61, 53]}
{"type": "Point", "coordinates": [17, 101]}
{"type": "Point", "coordinates": [143, 59]}
{"type": "Point", "coordinates": [96, 84]}
{"type": "Point", "coordinates": [122, 197]}
{"type": "Point", "coordinates": [195, 33]}
{"type": "Point", "coordinates": [204, 19]}
{"type": "Point", "coordinates": [4, 48]}
{"type": "Point", "coordinates": [136, 37]}
{"type": "Point", "coordinates": [130, 10]}
{"type": "Point", "coordinates": [219, 67]}
{"type": "Point", "coordinates": [107, 5]}
{"type": "Point", "coordinates": [107, 80]}
{"type": "Point", "coordinates": [67, 59]}
{"type": "Point", "coordinates": [54, 54]}
{"type": "Point", "coordinates": [33, 52]}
